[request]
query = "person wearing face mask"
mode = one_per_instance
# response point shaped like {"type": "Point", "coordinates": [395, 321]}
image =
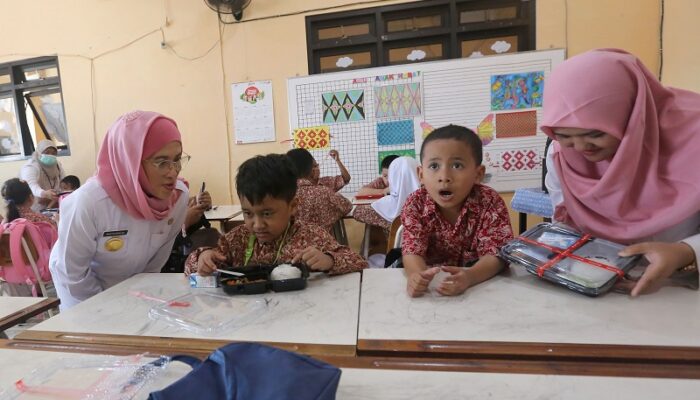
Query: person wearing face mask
{"type": "Point", "coordinates": [124, 220]}
{"type": "Point", "coordinates": [624, 161]}
{"type": "Point", "coordinates": [43, 173]}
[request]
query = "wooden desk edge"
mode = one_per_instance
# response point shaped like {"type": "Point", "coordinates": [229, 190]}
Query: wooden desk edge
{"type": "Point", "coordinates": [528, 350]}
{"type": "Point", "coordinates": [28, 312]}
{"type": "Point", "coordinates": [174, 345]}
{"type": "Point", "coordinates": [638, 370]}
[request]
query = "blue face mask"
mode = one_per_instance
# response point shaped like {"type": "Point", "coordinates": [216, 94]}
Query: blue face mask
{"type": "Point", "coordinates": [48, 160]}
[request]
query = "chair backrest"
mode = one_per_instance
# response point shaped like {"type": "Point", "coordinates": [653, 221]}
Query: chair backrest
{"type": "Point", "coordinates": [397, 239]}
{"type": "Point", "coordinates": [393, 229]}
{"type": "Point", "coordinates": [25, 248]}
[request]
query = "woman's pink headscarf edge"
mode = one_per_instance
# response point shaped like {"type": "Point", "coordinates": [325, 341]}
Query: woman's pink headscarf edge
{"type": "Point", "coordinates": [119, 166]}
{"type": "Point", "coordinates": [648, 186]}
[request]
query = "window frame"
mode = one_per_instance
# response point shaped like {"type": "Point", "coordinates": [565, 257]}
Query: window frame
{"type": "Point", "coordinates": [18, 88]}
{"type": "Point", "coordinates": [452, 32]}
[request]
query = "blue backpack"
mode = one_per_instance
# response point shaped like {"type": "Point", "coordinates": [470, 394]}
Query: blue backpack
{"type": "Point", "coordinates": [253, 371]}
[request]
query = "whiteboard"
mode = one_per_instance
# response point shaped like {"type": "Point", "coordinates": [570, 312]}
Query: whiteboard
{"type": "Point", "coordinates": [368, 113]}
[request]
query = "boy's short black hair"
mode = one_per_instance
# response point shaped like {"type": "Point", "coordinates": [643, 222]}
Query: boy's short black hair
{"type": "Point", "coordinates": [302, 160]}
{"type": "Point", "coordinates": [386, 161]}
{"type": "Point", "coordinates": [261, 176]}
{"type": "Point", "coordinates": [459, 133]}
{"type": "Point", "coordinates": [71, 180]}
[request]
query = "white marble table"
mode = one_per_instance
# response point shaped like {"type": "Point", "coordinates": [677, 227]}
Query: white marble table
{"type": "Point", "coordinates": [20, 364]}
{"type": "Point", "coordinates": [517, 314]}
{"type": "Point", "coordinates": [320, 319]}
{"type": "Point", "coordinates": [368, 384]}
{"type": "Point", "coordinates": [14, 310]}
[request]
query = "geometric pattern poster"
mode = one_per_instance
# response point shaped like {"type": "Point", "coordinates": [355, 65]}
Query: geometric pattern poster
{"type": "Point", "coordinates": [397, 100]}
{"type": "Point", "coordinates": [343, 106]}
{"type": "Point", "coordinates": [315, 137]}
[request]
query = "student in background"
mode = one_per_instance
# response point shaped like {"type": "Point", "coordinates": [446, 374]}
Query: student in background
{"type": "Point", "coordinates": [266, 186]}
{"type": "Point", "coordinates": [379, 186]}
{"type": "Point", "coordinates": [19, 199]}
{"type": "Point", "coordinates": [625, 159]}
{"type": "Point", "coordinates": [43, 173]}
{"type": "Point", "coordinates": [403, 180]}
{"type": "Point", "coordinates": [124, 220]}
{"type": "Point", "coordinates": [70, 183]}
{"type": "Point", "coordinates": [453, 221]}
{"type": "Point", "coordinates": [319, 204]}
{"type": "Point", "coordinates": [335, 183]}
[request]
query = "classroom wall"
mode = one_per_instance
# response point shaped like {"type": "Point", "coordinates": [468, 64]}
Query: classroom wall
{"type": "Point", "coordinates": [111, 61]}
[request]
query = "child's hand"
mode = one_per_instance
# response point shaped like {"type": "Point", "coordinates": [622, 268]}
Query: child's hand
{"type": "Point", "coordinates": [207, 262]}
{"type": "Point", "coordinates": [314, 259]}
{"type": "Point", "coordinates": [417, 283]}
{"type": "Point", "coordinates": [334, 155]}
{"type": "Point", "coordinates": [456, 283]}
{"type": "Point", "coordinates": [204, 200]}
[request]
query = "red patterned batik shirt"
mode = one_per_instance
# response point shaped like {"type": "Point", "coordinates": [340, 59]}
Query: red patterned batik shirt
{"type": "Point", "coordinates": [319, 205]}
{"type": "Point", "coordinates": [482, 228]}
{"type": "Point", "coordinates": [233, 245]}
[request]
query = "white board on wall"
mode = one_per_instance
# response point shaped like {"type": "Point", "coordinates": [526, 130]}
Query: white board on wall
{"type": "Point", "coordinates": [376, 111]}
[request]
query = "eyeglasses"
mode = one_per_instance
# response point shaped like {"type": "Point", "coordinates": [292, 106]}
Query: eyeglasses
{"type": "Point", "coordinates": [164, 166]}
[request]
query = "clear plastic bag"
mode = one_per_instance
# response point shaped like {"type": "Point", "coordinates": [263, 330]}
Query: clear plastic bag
{"type": "Point", "coordinates": [88, 378]}
{"type": "Point", "coordinates": [209, 314]}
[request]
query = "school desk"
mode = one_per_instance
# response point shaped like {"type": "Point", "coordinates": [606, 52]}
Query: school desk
{"type": "Point", "coordinates": [363, 380]}
{"type": "Point", "coordinates": [21, 364]}
{"type": "Point", "coordinates": [518, 315]}
{"type": "Point", "coordinates": [319, 319]}
{"type": "Point", "coordinates": [15, 310]}
{"type": "Point", "coordinates": [223, 213]}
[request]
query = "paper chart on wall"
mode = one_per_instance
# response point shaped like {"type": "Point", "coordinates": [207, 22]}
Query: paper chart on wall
{"type": "Point", "coordinates": [253, 112]}
{"type": "Point", "coordinates": [499, 97]}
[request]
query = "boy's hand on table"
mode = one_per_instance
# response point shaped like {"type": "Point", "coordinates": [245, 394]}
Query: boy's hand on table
{"type": "Point", "coordinates": [315, 259]}
{"type": "Point", "coordinates": [208, 260]}
{"type": "Point", "coordinates": [456, 283]}
{"type": "Point", "coordinates": [417, 283]}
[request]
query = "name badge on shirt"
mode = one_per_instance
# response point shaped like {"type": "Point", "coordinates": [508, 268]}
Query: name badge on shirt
{"type": "Point", "coordinates": [115, 242]}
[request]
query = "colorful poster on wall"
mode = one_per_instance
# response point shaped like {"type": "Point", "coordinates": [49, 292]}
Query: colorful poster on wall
{"type": "Point", "coordinates": [516, 91]}
{"type": "Point", "coordinates": [516, 124]}
{"type": "Point", "coordinates": [402, 100]}
{"type": "Point", "coordinates": [395, 132]}
{"type": "Point", "coordinates": [400, 153]}
{"type": "Point", "coordinates": [485, 130]}
{"type": "Point", "coordinates": [253, 113]}
{"type": "Point", "coordinates": [343, 106]}
{"type": "Point", "coordinates": [312, 138]}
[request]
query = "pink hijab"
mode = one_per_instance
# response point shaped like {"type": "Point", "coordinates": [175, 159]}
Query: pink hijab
{"type": "Point", "coordinates": [651, 182]}
{"type": "Point", "coordinates": [119, 168]}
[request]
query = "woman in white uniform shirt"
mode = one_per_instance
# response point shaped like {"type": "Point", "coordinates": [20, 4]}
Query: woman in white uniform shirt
{"type": "Point", "coordinates": [625, 159]}
{"type": "Point", "coordinates": [43, 173]}
{"type": "Point", "coordinates": [124, 220]}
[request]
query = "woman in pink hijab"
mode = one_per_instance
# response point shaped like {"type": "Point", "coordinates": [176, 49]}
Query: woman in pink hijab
{"type": "Point", "coordinates": [625, 159]}
{"type": "Point", "coordinates": [124, 220]}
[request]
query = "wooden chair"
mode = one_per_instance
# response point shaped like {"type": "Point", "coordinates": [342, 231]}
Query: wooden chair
{"type": "Point", "coordinates": [394, 235]}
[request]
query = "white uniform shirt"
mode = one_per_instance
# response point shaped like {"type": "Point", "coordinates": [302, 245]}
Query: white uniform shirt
{"type": "Point", "coordinates": [686, 231]}
{"type": "Point", "coordinates": [39, 181]}
{"type": "Point", "coordinates": [82, 265]}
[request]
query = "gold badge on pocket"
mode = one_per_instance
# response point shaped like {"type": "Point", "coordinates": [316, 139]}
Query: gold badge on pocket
{"type": "Point", "coordinates": [114, 244]}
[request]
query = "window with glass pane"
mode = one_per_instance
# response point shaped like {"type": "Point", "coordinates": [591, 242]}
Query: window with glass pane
{"type": "Point", "coordinates": [346, 61]}
{"type": "Point", "coordinates": [418, 31]}
{"type": "Point", "coordinates": [31, 107]}
{"type": "Point", "coordinates": [9, 134]}
{"type": "Point", "coordinates": [489, 46]}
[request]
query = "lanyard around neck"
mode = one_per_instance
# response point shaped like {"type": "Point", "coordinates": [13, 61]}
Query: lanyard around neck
{"type": "Point", "coordinates": [251, 245]}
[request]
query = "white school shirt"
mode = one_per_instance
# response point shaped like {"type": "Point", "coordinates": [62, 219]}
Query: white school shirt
{"type": "Point", "coordinates": [38, 181]}
{"type": "Point", "coordinates": [82, 266]}
{"type": "Point", "coordinates": [687, 231]}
